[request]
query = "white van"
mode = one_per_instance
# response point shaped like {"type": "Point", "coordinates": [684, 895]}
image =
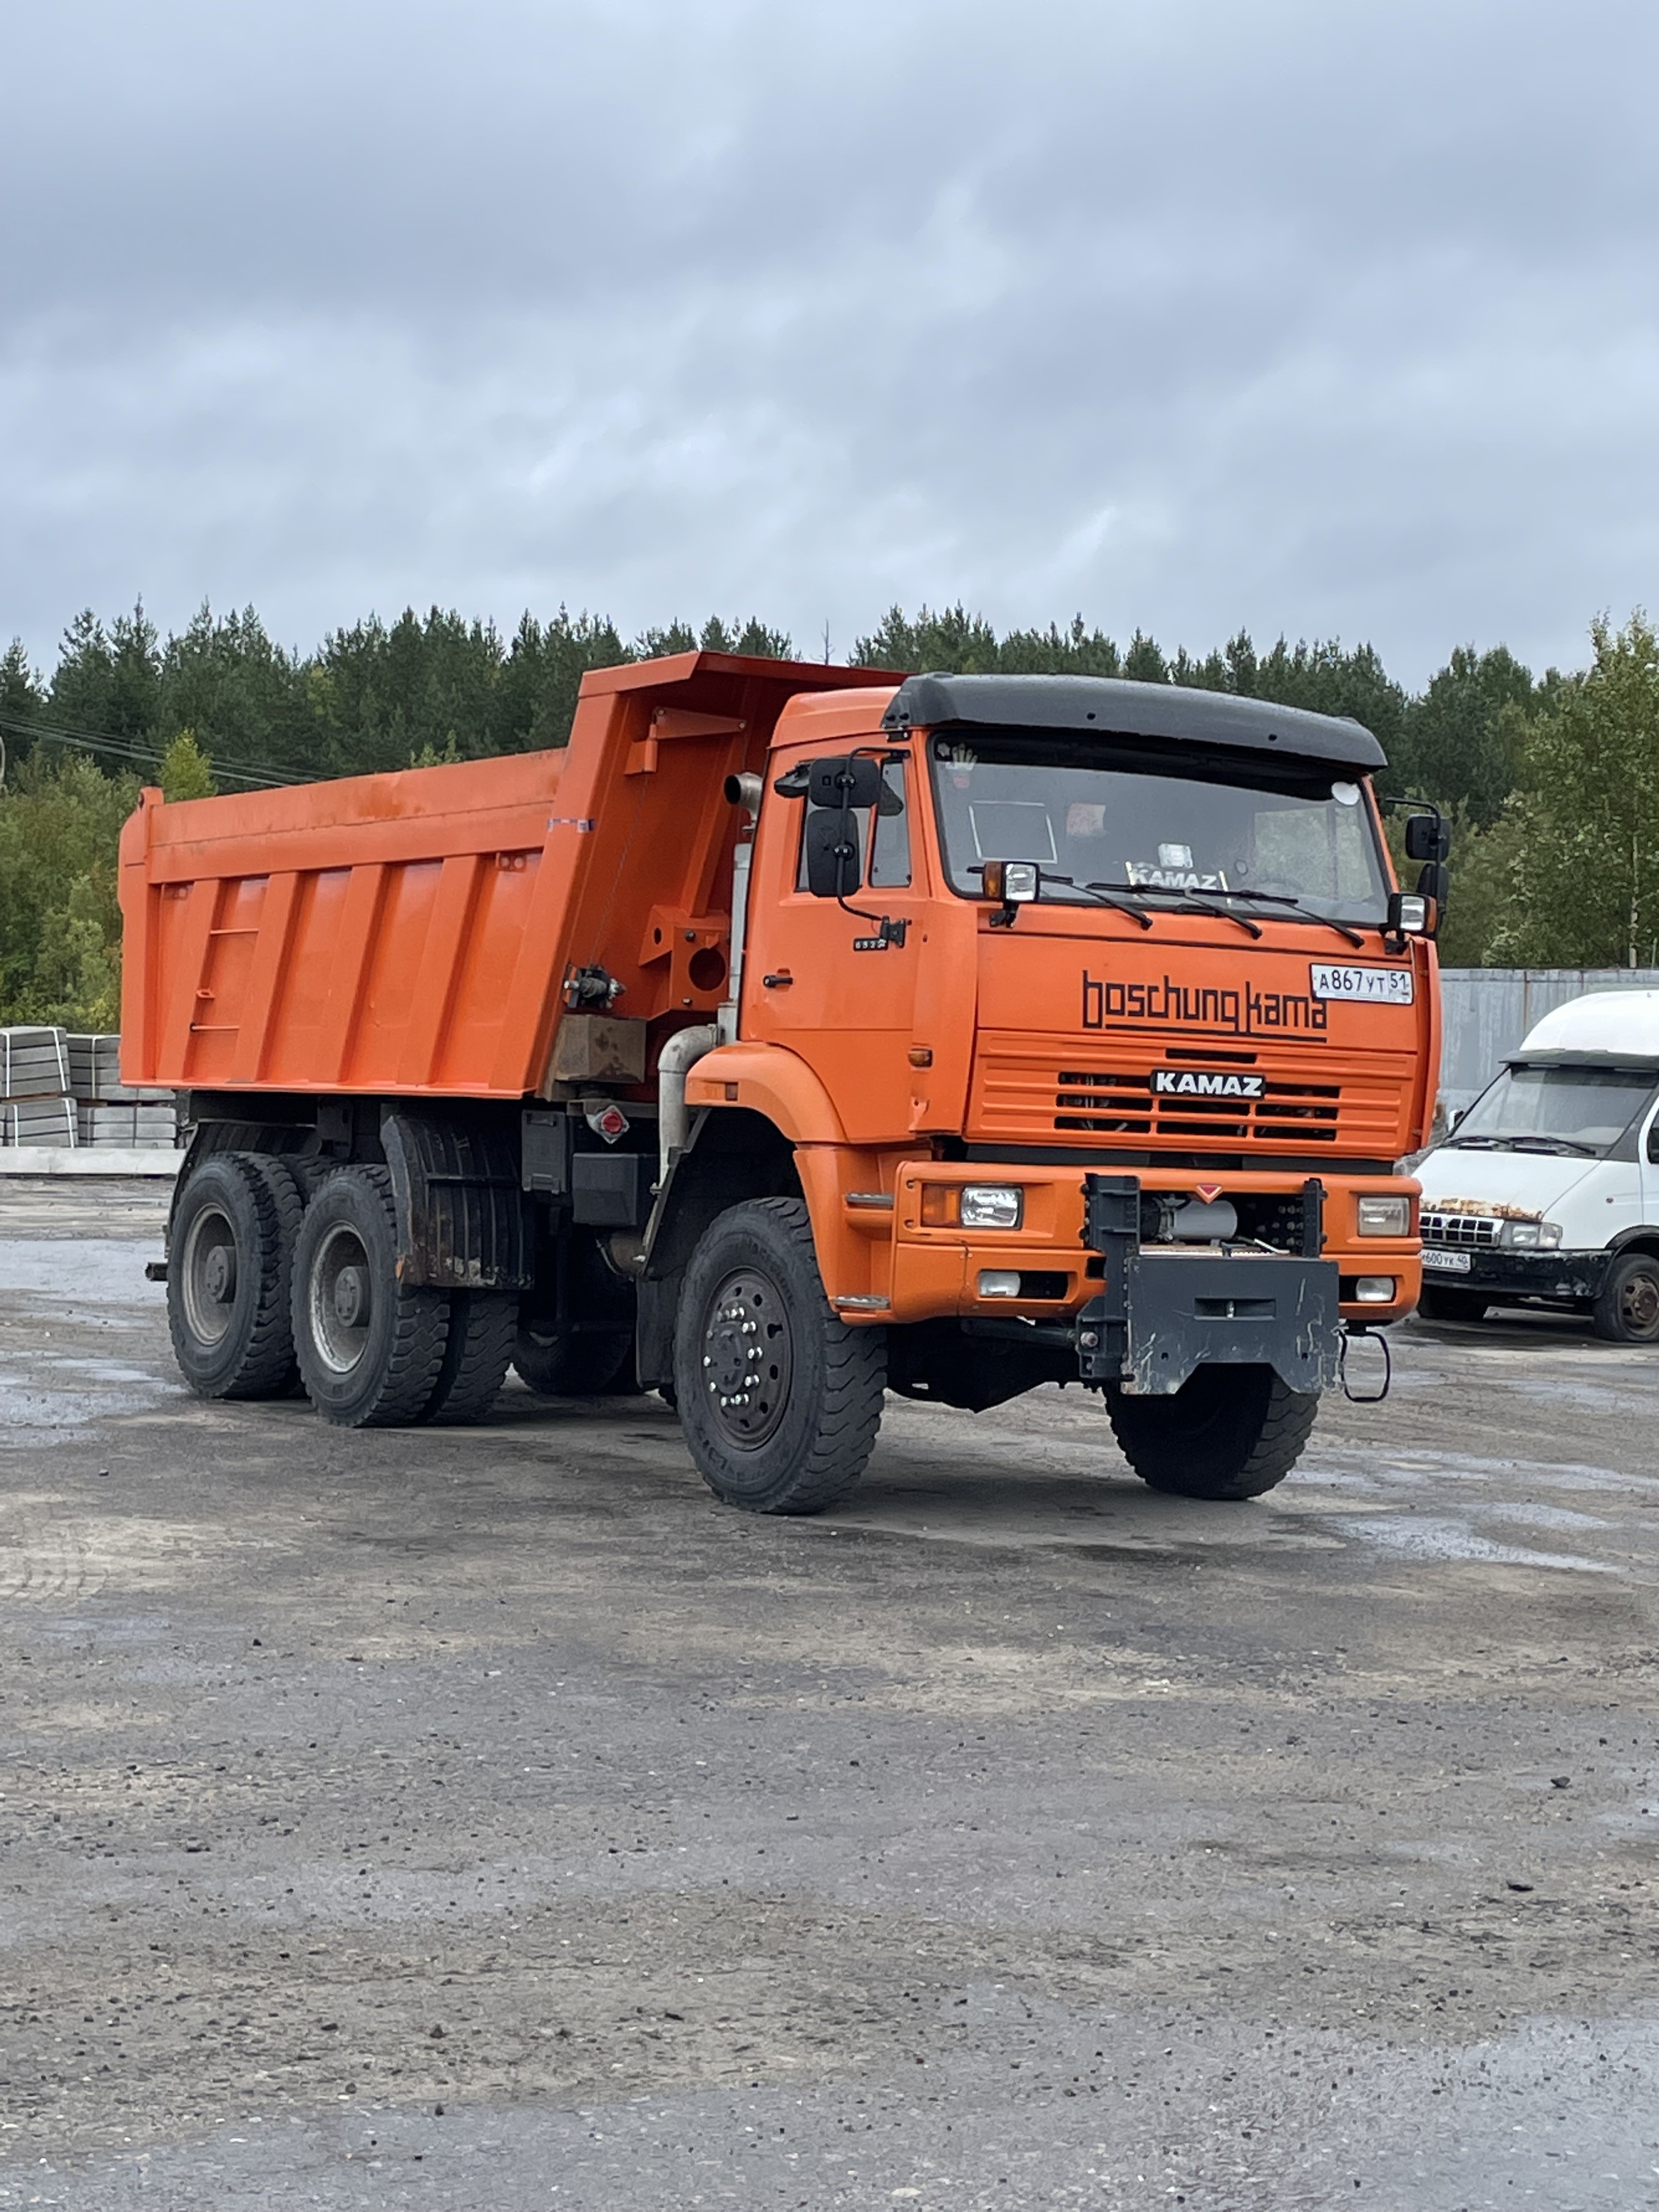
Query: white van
{"type": "Point", "coordinates": [1547, 1191]}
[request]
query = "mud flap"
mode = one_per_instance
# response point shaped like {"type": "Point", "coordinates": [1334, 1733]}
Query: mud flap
{"type": "Point", "coordinates": [1162, 1313]}
{"type": "Point", "coordinates": [463, 1221]}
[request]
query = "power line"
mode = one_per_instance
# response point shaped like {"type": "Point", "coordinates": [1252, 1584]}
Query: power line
{"type": "Point", "coordinates": [138, 752]}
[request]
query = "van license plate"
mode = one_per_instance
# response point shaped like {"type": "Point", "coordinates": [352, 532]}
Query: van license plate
{"type": "Point", "coordinates": [1437, 1262]}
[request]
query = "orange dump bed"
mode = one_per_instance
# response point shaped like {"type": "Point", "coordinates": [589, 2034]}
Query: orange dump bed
{"type": "Point", "coordinates": [413, 932]}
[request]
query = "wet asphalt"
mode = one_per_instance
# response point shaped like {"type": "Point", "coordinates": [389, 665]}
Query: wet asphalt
{"type": "Point", "coordinates": [488, 1819]}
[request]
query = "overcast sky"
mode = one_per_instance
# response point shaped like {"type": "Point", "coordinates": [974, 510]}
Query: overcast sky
{"type": "Point", "coordinates": [1320, 316]}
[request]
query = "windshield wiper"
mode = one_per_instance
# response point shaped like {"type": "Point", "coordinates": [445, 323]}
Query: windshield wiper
{"type": "Point", "coordinates": [1118, 906]}
{"type": "Point", "coordinates": [1188, 903]}
{"type": "Point", "coordinates": [1284, 898]}
{"type": "Point", "coordinates": [1523, 1144]}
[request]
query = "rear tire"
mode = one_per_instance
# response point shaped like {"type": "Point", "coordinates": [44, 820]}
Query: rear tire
{"type": "Point", "coordinates": [557, 1360]}
{"type": "Point", "coordinates": [778, 1397]}
{"type": "Point", "coordinates": [1436, 1305]}
{"type": "Point", "coordinates": [1228, 1433]}
{"type": "Point", "coordinates": [483, 1325]}
{"type": "Point", "coordinates": [230, 1253]}
{"type": "Point", "coordinates": [370, 1349]}
{"type": "Point", "coordinates": [1627, 1311]}
{"type": "Point", "coordinates": [575, 1333]}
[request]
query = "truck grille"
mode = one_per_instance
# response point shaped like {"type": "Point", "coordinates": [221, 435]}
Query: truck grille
{"type": "Point", "coordinates": [1462, 1230]}
{"type": "Point", "coordinates": [1122, 1105]}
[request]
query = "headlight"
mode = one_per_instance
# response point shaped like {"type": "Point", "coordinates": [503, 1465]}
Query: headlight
{"type": "Point", "coordinates": [1530, 1235]}
{"type": "Point", "coordinates": [1385, 1217]}
{"type": "Point", "coordinates": [991, 1205]}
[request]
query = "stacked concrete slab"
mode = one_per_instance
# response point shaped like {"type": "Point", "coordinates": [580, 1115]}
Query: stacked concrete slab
{"type": "Point", "coordinates": [62, 1090]}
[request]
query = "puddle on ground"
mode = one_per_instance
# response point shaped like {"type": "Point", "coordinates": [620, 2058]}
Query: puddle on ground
{"type": "Point", "coordinates": [90, 1271]}
{"type": "Point", "coordinates": [1428, 1536]}
{"type": "Point", "coordinates": [54, 1295]}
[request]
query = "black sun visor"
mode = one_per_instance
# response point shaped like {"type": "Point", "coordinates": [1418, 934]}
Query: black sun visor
{"type": "Point", "coordinates": [1109, 706]}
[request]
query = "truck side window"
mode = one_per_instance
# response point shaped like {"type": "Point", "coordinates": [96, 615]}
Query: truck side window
{"type": "Point", "coordinates": [887, 863]}
{"type": "Point", "coordinates": [889, 855]}
{"type": "Point", "coordinates": [1653, 1139]}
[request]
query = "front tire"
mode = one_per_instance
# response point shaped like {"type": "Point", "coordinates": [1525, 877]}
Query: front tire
{"type": "Point", "coordinates": [778, 1397]}
{"type": "Point", "coordinates": [1228, 1433]}
{"type": "Point", "coordinates": [1627, 1311]}
{"type": "Point", "coordinates": [370, 1350]}
{"type": "Point", "coordinates": [230, 1251]}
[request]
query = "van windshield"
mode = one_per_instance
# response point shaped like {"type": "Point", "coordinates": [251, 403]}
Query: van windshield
{"type": "Point", "coordinates": [1554, 1109]}
{"type": "Point", "coordinates": [1142, 821]}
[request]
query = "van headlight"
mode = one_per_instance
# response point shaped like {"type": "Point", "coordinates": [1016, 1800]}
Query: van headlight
{"type": "Point", "coordinates": [1531, 1236]}
{"type": "Point", "coordinates": [1388, 1215]}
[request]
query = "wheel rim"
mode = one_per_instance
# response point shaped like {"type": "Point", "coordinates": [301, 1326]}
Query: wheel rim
{"type": "Point", "coordinates": [208, 1274]}
{"type": "Point", "coordinates": [1638, 1304]}
{"type": "Point", "coordinates": [342, 1299]}
{"type": "Point", "coordinates": [748, 1359]}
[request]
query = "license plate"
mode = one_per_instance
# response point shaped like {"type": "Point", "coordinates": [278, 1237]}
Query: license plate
{"type": "Point", "coordinates": [1379, 987]}
{"type": "Point", "coordinates": [1444, 1263]}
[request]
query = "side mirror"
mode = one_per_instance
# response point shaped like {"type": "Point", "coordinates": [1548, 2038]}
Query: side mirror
{"type": "Point", "coordinates": [849, 780]}
{"type": "Point", "coordinates": [1433, 883]}
{"type": "Point", "coordinates": [1427, 838]}
{"type": "Point", "coordinates": [832, 869]}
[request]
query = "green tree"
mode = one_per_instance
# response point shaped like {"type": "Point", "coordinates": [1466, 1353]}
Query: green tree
{"type": "Point", "coordinates": [1586, 865]}
{"type": "Point", "coordinates": [951, 639]}
{"type": "Point", "coordinates": [186, 771]}
{"type": "Point", "coordinates": [60, 819]}
{"type": "Point", "coordinates": [1484, 865]}
{"type": "Point", "coordinates": [22, 697]}
{"type": "Point", "coordinates": [247, 699]}
{"type": "Point", "coordinates": [1461, 742]}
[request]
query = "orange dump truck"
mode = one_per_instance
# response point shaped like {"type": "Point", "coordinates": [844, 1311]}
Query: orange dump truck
{"type": "Point", "coordinates": [796, 1034]}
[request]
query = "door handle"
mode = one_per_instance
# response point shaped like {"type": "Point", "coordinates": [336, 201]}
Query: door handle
{"type": "Point", "coordinates": [781, 981]}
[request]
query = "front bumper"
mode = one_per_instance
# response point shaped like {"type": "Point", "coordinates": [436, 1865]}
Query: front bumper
{"type": "Point", "coordinates": [1500, 1275]}
{"type": "Point", "coordinates": [1161, 1314]}
{"type": "Point", "coordinates": [924, 1273]}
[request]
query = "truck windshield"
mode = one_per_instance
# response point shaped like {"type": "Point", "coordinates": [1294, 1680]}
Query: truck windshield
{"type": "Point", "coordinates": [1125, 815]}
{"type": "Point", "coordinates": [1557, 1109]}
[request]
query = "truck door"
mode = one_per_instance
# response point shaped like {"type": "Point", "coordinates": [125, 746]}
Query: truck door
{"type": "Point", "coordinates": [823, 980]}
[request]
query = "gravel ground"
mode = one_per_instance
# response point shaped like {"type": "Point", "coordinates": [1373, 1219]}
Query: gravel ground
{"type": "Point", "coordinates": [487, 1820]}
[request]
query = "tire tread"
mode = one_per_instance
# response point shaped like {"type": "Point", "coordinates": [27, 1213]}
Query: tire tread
{"type": "Point", "coordinates": [420, 1327]}
{"type": "Point", "coordinates": [265, 1366]}
{"type": "Point", "coordinates": [1286, 1424]}
{"type": "Point", "coordinates": [477, 1351]}
{"type": "Point", "coordinates": [855, 1370]}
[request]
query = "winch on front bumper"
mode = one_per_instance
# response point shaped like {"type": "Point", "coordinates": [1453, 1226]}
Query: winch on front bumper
{"type": "Point", "coordinates": [1162, 1313]}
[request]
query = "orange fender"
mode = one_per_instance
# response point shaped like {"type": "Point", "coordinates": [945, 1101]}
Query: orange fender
{"type": "Point", "coordinates": [770, 1080]}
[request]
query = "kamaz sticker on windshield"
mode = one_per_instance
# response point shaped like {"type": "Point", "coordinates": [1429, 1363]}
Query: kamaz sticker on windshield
{"type": "Point", "coordinates": [1173, 872]}
{"type": "Point", "coordinates": [1381, 987]}
{"type": "Point", "coordinates": [1109, 1003]}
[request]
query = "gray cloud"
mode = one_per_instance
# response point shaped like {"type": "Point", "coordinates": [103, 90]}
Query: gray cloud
{"type": "Point", "coordinates": [1186, 314]}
